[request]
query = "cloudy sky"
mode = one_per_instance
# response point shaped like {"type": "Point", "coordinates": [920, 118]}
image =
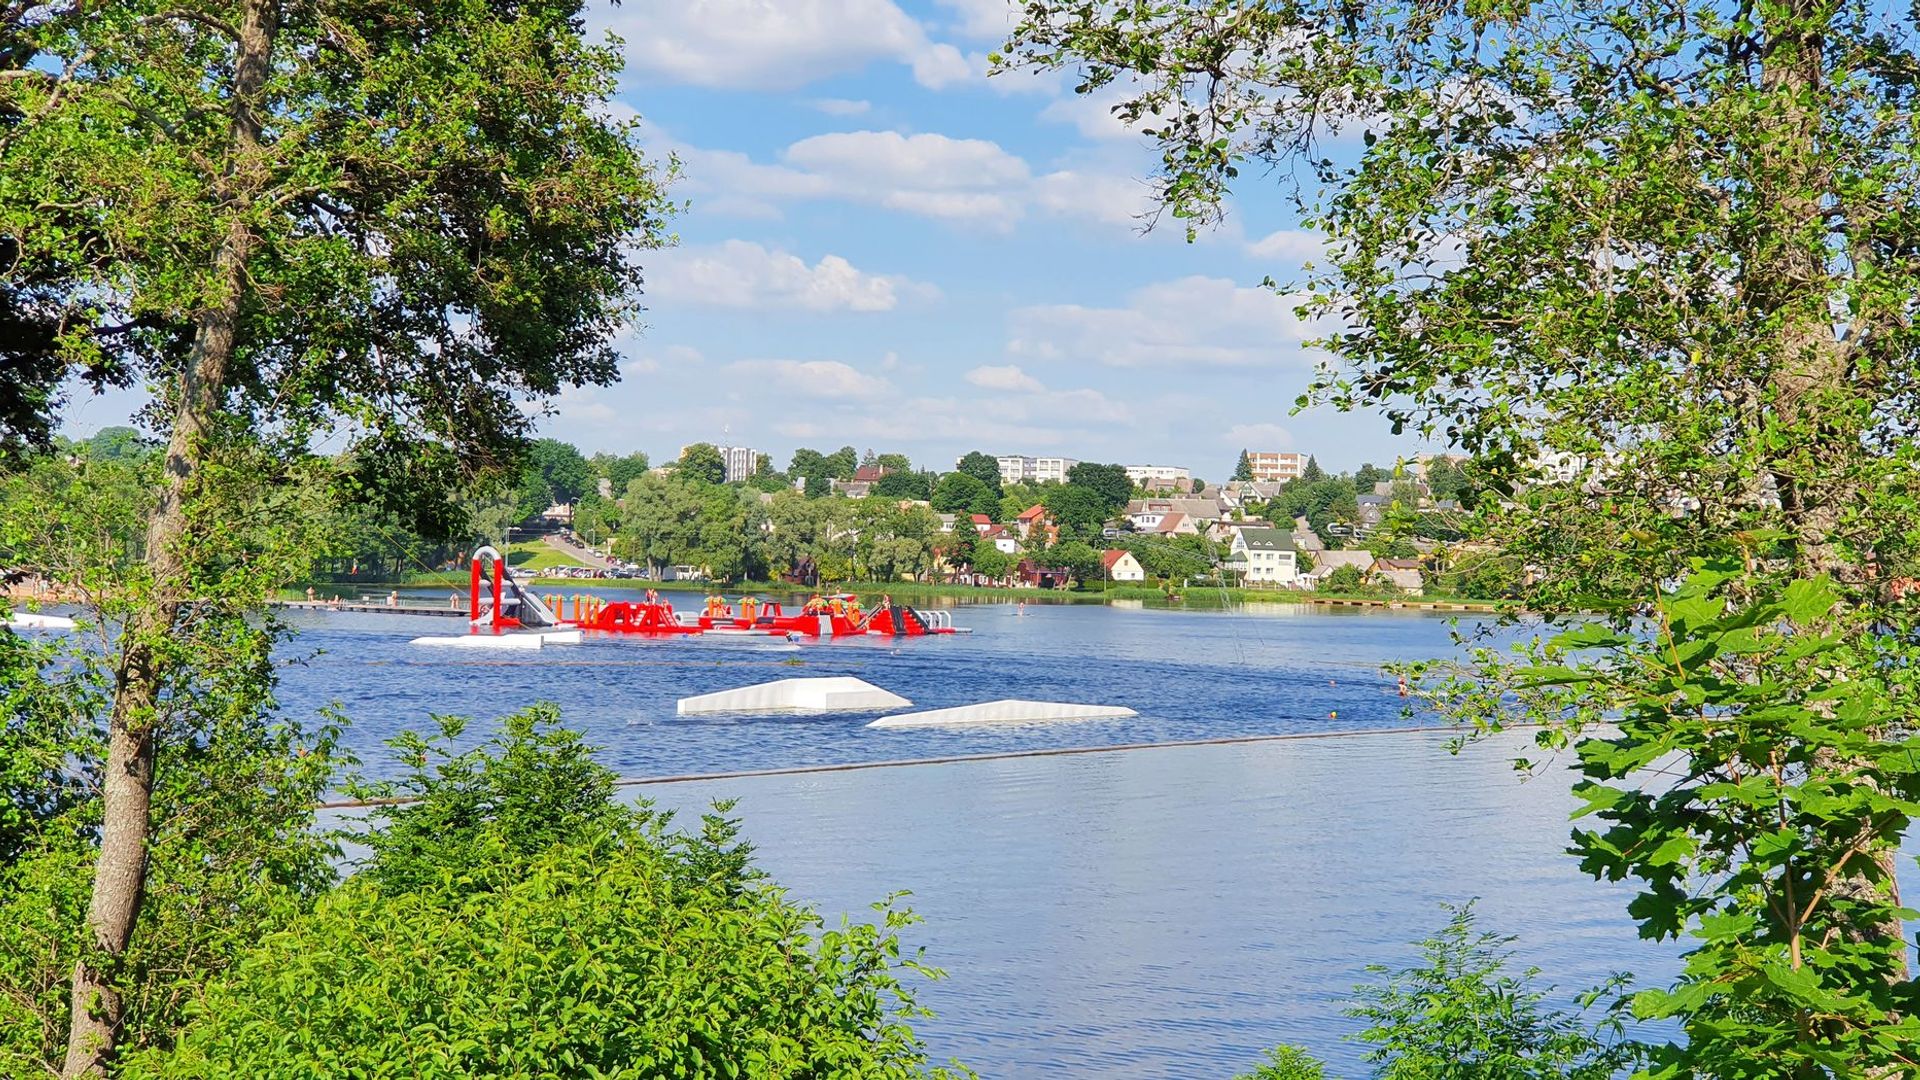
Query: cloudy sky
{"type": "Point", "coordinates": [883, 247]}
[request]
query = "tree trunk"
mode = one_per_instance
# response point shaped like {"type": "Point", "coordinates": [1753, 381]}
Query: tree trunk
{"type": "Point", "coordinates": [120, 876]}
{"type": "Point", "coordinates": [1811, 364]}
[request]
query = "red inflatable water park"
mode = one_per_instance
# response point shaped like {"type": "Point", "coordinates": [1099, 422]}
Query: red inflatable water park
{"type": "Point", "coordinates": [506, 606]}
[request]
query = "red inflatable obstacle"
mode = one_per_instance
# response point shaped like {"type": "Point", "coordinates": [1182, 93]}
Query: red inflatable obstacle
{"type": "Point", "coordinates": [838, 616]}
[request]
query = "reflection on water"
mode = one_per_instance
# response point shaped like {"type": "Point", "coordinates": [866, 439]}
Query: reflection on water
{"type": "Point", "coordinates": [1170, 912]}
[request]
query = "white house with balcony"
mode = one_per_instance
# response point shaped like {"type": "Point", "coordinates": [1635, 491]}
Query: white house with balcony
{"type": "Point", "coordinates": [1269, 555]}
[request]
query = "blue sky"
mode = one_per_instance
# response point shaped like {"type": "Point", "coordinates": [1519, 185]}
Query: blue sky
{"type": "Point", "coordinates": [885, 248]}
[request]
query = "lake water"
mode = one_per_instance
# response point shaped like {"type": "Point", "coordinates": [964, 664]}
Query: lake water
{"type": "Point", "coordinates": [1165, 912]}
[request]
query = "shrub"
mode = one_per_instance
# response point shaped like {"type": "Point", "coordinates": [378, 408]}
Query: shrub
{"type": "Point", "coordinates": [517, 921]}
{"type": "Point", "coordinates": [1461, 1014]}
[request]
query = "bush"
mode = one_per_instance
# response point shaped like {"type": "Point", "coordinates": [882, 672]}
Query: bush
{"type": "Point", "coordinates": [1462, 1015]}
{"type": "Point", "coordinates": [517, 921]}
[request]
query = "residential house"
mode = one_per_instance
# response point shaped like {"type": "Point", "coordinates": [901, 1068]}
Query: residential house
{"type": "Point", "coordinates": [1402, 574]}
{"type": "Point", "coordinates": [1240, 493]}
{"type": "Point", "coordinates": [1222, 531]}
{"type": "Point", "coordinates": [852, 489]}
{"type": "Point", "coordinates": [1122, 566]}
{"type": "Point", "coordinates": [1032, 518]}
{"type": "Point", "coordinates": [1034, 575]}
{"type": "Point", "coordinates": [1176, 524]}
{"type": "Point", "coordinates": [1006, 542]}
{"type": "Point", "coordinates": [1373, 508]}
{"type": "Point", "coordinates": [1326, 562]}
{"type": "Point", "coordinates": [948, 521]}
{"type": "Point", "coordinates": [981, 523]}
{"type": "Point", "coordinates": [1147, 514]}
{"type": "Point", "coordinates": [1269, 554]}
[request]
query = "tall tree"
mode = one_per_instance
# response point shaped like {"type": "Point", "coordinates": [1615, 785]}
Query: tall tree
{"type": "Point", "coordinates": [701, 462]}
{"type": "Point", "coordinates": [1673, 241]}
{"type": "Point", "coordinates": [962, 493]}
{"type": "Point", "coordinates": [562, 470]}
{"type": "Point", "coordinates": [1109, 482]}
{"type": "Point", "coordinates": [842, 463]}
{"type": "Point", "coordinates": [285, 216]}
{"type": "Point", "coordinates": [982, 467]}
{"type": "Point", "coordinates": [1312, 473]}
{"type": "Point", "coordinates": [619, 471]}
{"type": "Point", "coordinates": [1243, 469]}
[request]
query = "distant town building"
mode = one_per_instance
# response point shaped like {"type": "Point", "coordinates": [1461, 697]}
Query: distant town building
{"type": "Point", "coordinates": [1020, 469]}
{"type": "Point", "coordinates": [742, 462]}
{"type": "Point", "coordinates": [1274, 467]}
{"type": "Point", "coordinates": [1160, 477]}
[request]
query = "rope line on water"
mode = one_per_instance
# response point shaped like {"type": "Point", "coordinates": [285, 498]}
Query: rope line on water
{"type": "Point", "coordinates": [959, 759]}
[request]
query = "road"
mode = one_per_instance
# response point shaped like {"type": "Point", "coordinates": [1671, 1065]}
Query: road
{"type": "Point", "coordinates": [575, 551]}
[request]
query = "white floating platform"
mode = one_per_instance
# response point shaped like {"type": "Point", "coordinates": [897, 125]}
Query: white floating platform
{"type": "Point", "coordinates": [1009, 711]}
{"type": "Point", "coordinates": [504, 641]}
{"type": "Point", "coordinates": [28, 620]}
{"type": "Point", "coordinates": [836, 694]}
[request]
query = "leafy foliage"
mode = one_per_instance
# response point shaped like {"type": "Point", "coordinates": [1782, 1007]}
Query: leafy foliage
{"type": "Point", "coordinates": [1651, 265]}
{"type": "Point", "coordinates": [516, 920]}
{"type": "Point", "coordinates": [1463, 1014]}
{"type": "Point", "coordinates": [1762, 847]}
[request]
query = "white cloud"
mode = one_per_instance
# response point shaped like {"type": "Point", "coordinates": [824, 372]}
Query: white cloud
{"type": "Point", "coordinates": [992, 20]}
{"type": "Point", "coordinates": [842, 106]}
{"type": "Point", "coordinates": [927, 174]}
{"type": "Point", "coordinates": [1190, 322]}
{"type": "Point", "coordinates": [1004, 377]}
{"type": "Point", "coordinates": [1106, 197]}
{"type": "Point", "coordinates": [973, 181]}
{"type": "Point", "coordinates": [671, 358]}
{"type": "Point", "coordinates": [1289, 245]}
{"type": "Point", "coordinates": [1258, 436]}
{"type": "Point", "coordinates": [827, 379]}
{"type": "Point", "coordinates": [776, 44]}
{"type": "Point", "coordinates": [1093, 114]}
{"type": "Point", "coordinates": [742, 274]}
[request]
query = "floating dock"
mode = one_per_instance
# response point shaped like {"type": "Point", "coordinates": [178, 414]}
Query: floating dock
{"type": "Point", "coordinates": [1009, 711]}
{"type": "Point", "coordinates": [840, 693]}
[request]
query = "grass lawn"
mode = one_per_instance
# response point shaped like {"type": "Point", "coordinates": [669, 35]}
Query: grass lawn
{"type": "Point", "coordinates": [537, 555]}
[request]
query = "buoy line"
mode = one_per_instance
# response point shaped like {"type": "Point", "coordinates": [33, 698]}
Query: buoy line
{"type": "Point", "coordinates": [959, 759]}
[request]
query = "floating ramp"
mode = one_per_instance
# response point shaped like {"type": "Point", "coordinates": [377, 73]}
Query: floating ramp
{"type": "Point", "coordinates": [839, 693]}
{"type": "Point", "coordinates": [1009, 711]}
{"type": "Point", "coordinates": [503, 641]}
{"type": "Point", "coordinates": [28, 620]}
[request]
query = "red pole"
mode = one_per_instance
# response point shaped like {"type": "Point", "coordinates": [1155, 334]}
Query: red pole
{"type": "Point", "coordinates": [473, 592]}
{"type": "Point", "coordinates": [497, 574]}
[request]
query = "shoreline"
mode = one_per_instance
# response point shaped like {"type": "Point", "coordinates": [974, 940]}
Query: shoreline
{"type": "Point", "coordinates": [1198, 597]}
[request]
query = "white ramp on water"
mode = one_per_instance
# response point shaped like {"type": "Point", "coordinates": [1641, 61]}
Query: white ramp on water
{"type": "Point", "coordinates": [838, 693]}
{"type": "Point", "coordinates": [1009, 711]}
{"type": "Point", "coordinates": [483, 641]}
{"type": "Point", "coordinates": [504, 641]}
{"type": "Point", "coordinates": [28, 620]}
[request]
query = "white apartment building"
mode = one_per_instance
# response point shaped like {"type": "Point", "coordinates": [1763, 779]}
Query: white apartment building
{"type": "Point", "coordinates": [1159, 477]}
{"type": "Point", "coordinates": [1274, 467]}
{"type": "Point", "coordinates": [1020, 469]}
{"type": "Point", "coordinates": [742, 462]}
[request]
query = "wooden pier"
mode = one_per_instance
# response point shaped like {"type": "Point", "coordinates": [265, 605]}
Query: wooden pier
{"type": "Point", "coordinates": [378, 607]}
